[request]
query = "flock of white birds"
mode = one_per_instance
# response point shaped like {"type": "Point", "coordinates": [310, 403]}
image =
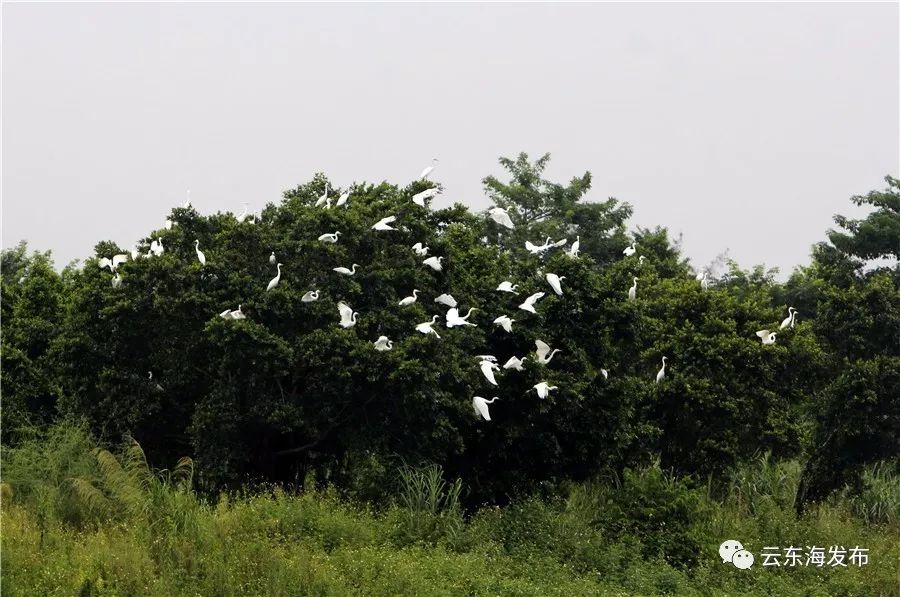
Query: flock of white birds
{"type": "Point", "coordinates": [487, 363]}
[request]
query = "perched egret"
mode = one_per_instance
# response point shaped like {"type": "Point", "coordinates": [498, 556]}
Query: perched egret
{"type": "Point", "coordinates": [662, 372]}
{"type": "Point", "coordinates": [383, 223]}
{"type": "Point", "coordinates": [629, 250]}
{"type": "Point", "coordinates": [554, 282]}
{"type": "Point", "coordinates": [446, 299]}
{"type": "Point", "coordinates": [427, 327]}
{"type": "Point", "coordinates": [383, 344]}
{"type": "Point", "coordinates": [187, 200]}
{"type": "Point", "coordinates": [238, 314]}
{"type": "Point", "coordinates": [157, 247]}
{"type": "Point", "coordinates": [154, 248]}
{"type": "Point", "coordinates": [323, 198]}
{"type": "Point", "coordinates": [134, 252]}
{"type": "Point", "coordinates": [488, 368]}
{"type": "Point", "coordinates": [573, 250]}
{"type": "Point", "coordinates": [505, 322]}
{"type": "Point", "coordinates": [528, 305]}
{"type": "Point", "coordinates": [274, 282]}
{"type": "Point", "coordinates": [766, 336]}
{"type": "Point", "coordinates": [348, 315]}
{"type": "Point", "coordinates": [343, 198]}
{"type": "Point", "coordinates": [226, 314]}
{"type": "Point", "coordinates": [501, 216]}
{"type": "Point", "coordinates": [169, 224]}
{"type": "Point", "coordinates": [429, 169]}
{"type": "Point", "coordinates": [789, 320]}
{"type": "Point", "coordinates": [544, 354]}
{"type": "Point", "coordinates": [310, 296]}
{"type": "Point", "coordinates": [420, 249]}
{"type": "Point", "coordinates": [329, 238]}
{"type": "Point", "coordinates": [200, 256]}
{"type": "Point", "coordinates": [434, 263]}
{"type": "Point", "coordinates": [419, 198]}
{"type": "Point", "coordinates": [454, 319]}
{"type": "Point", "coordinates": [410, 299]}
{"type": "Point", "coordinates": [507, 286]}
{"type": "Point", "coordinates": [113, 263]}
{"type": "Point", "coordinates": [515, 363]}
{"type": "Point", "coordinates": [117, 280]}
{"type": "Point", "coordinates": [543, 390]}
{"type": "Point", "coordinates": [272, 258]}
{"type": "Point", "coordinates": [481, 406]}
{"type": "Point", "coordinates": [345, 271]}
{"type": "Point", "coordinates": [605, 373]}
{"type": "Point", "coordinates": [641, 260]}
{"type": "Point", "coordinates": [632, 292]}
{"type": "Point", "coordinates": [243, 215]}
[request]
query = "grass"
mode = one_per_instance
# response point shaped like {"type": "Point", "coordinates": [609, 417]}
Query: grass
{"type": "Point", "coordinates": [82, 521]}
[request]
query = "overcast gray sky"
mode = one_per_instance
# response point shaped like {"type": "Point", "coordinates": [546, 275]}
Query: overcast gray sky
{"type": "Point", "coordinates": [741, 126]}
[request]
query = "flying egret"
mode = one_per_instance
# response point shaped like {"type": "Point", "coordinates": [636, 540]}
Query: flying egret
{"type": "Point", "coordinates": [632, 292]}
{"type": "Point", "coordinates": [481, 406]}
{"type": "Point", "coordinates": [329, 238]}
{"type": "Point", "coordinates": [434, 263]}
{"type": "Point", "coordinates": [629, 250]}
{"type": "Point", "coordinates": [272, 258]}
{"type": "Point", "coordinates": [544, 354]}
{"type": "Point", "coordinates": [200, 256]}
{"type": "Point", "coordinates": [488, 368]}
{"type": "Point", "coordinates": [323, 198]}
{"type": "Point", "coordinates": [501, 216]}
{"type": "Point", "coordinates": [766, 336]}
{"type": "Point", "coordinates": [507, 286]}
{"type": "Point", "coordinates": [573, 250]}
{"type": "Point", "coordinates": [343, 198]}
{"type": "Point", "coordinates": [348, 315]}
{"type": "Point", "coordinates": [505, 322]}
{"type": "Point", "coordinates": [429, 169]}
{"type": "Point", "coordinates": [662, 372]}
{"type": "Point", "coordinates": [420, 249]}
{"type": "Point", "coordinates": [274, 282]}
{"type": "Point", "coordinates": [113, 263]}
{"type": "Point", "coordinates": [789, 320]}
{"type": "Point", "coordinates": [515, 363]}
{"type": "Point", "coordinates": [446, 299]}
{"type": "Point", "coordinates": [117, 280]}
{"type": "Point", "coordinates": [310, 296]}
{"type": "Point", "coordinates": [528, 305]}
{"type": "Point", "coordinates": [243, 215]}
{"type": "Point", "coordinates": [419, 198]}
{"type": "Point", "coordinates": [383, 344]}
{"type": "Point", "coordinates": [554, 282]}
{"type": "Point", "coordinates": [427, 327]}
{"type": "Point", "coordinates": [454, 319]}
{"type": "Point", "coordinates": [543, 390]}
{"type": "Point", "coordinates": [538, 249]}
{"type": "Point", "coordinates": [410, 299]}
{"type": "Point", "coordinates": [383, 223]}
{"type": "Point", "coordinates": [345, 271]}
{"type": "Point", "coordinates": [486, 357]}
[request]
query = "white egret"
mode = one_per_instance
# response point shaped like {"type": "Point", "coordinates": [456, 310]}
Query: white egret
{"type": "Point", "coordinates": [383, 344]}
{"type": "Point", "coordinates": [383, 223]}
{"type": "Point", "coordinates": [544, 354]}
{"type": "Point", "coordinates": [169, 223]}
{"type": "Point", "coordinates": [157, 247]}
{"type": "Point", "coordinates": [187, 201]}
{"type": "Point", "coordinates": [515, 363]}
{"type": "Point", "coordinates": [446, 299]}
{"type": "Point", "coordinates": [573, 250]}
{"type": "Point", "coordinates": [226, 314]}
{"type": "Point", "coordinates": [629, 250]}
{"type": "Point", "coordinates": [200, 256]}
{"type": "Point", "coordinates": [243, 215]}
{"type": "Point", "coordinates": [789, 320]}
{"type": "Point", "coordinates": [454, 319]}
{"type": "Point", "coordinates": [555, 283]}
{"type": "Point", "coordinates": [419, 198]}
{"type": "Point", "coordinates": [704, 281]}
{"type": "Point", "coordinates": [560, 243]}
{"type": "Point", "coordinates": [486, 357]}
{"type": "Point", "coordinates": [345, 271]}
{"type": "Point", "coordinates": [543, 390]}
{"type": "Point", "coordinates": [501, 216]}
{"type": "Point", "coordinates": [429, 169]}
{"type": "Point", "coordinates": [323, 198]}
{"type": "Point", "coordinates": [528, 305]}
{"type": "Point", "coordinates": [481, 406]}
{"type": "Point", "coordinates": [766, 336]}
{"type": "Point", "coordinates": [117, 280]}
{"type": "Point", "coordinates": [134, 252]}
{"type": "Point", "coordinates": [410, 299]}
{"type": "Point", "coordinates": [662, 372]}
{"type": "Point", "coordinates": [329, 238]}
{"type": "Point", "coordinates": [488, 368]}
{"type": "Point", "coordinates": [310, 296]}
{"type": "Point", "coordinates": [434, 263]}
{"type": "Point", "coordinates": [348, 315]}
{"type": "Point", "coordinates": [113, 263]}
{"type": "Point", "coordinates": [605, 373]}
{"type": "Point", "coordinates": [420, 249]}
{"type": "Point", "coordinates": [238, 314]}
{"type": "Point", "coordinates": [272, 258]}
{"type": "Point", "coordinates": [641, 260]}
{"type": "Point", "coordinates": [505, 322]}
{"type": "Point", "coordinates": [537, 249]}
{"type": "Point", "coordinates": [154, 247]}
{"type": "Point", "coordinates": [274, 281]}
{"type": "Point", "coordinates": [632, 292]}
{"type": "Point", "coordinates": [507, 286]}
{"type": "Point", "coordinates": [427, 327]}
{"type": "Point", "coordinates": [343, 198]}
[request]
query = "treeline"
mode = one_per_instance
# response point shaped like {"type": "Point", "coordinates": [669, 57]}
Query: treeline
{"type": "Point", "coordinates": [286, 394]}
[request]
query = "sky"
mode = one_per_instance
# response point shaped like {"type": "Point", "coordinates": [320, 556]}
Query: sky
{"type": "Point", "coordinates": [742, 127]}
